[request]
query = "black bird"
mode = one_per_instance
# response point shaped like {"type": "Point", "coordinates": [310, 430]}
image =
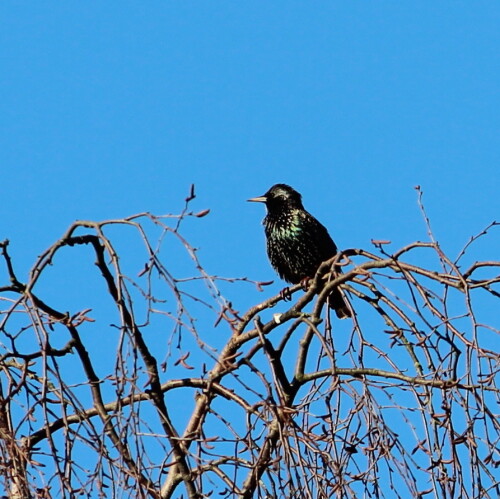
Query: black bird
{"type": "Point", "coordinates": [297, 243]}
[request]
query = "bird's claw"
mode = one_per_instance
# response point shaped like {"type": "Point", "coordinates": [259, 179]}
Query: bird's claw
{"type": "Point", "coordinates": [285, 294]}
{"type": "Point", "coordinates": [305, 283]}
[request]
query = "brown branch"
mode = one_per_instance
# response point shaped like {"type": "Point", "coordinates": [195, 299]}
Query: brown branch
{"type": "Point", "coordinates": [288, 445]}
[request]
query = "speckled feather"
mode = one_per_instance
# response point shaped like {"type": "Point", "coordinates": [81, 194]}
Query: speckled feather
{"type": "Point", "coordinates": [297, 243]}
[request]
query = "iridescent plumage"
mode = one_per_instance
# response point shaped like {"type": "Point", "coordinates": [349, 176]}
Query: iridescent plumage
{"type": "Point", "coordinates": [297, 243]}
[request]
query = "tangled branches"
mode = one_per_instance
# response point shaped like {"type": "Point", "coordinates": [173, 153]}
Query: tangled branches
{"type": "Point", "coordinates": [165, 401]}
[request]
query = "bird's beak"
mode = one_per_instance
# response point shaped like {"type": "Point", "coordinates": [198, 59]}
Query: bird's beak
{"type": "Point", "coordinates": [261, 199]}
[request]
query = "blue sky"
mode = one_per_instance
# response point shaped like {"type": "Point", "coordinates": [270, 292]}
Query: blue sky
{"type": "Point", "coordinates": [113, 108]}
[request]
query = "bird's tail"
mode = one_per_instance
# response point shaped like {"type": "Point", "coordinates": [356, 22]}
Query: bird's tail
{"type": "Point", "coordinates": [339, 304]}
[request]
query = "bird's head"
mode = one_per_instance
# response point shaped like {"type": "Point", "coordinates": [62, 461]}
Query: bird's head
{"type": "Point", "coordinates": [280, 197]}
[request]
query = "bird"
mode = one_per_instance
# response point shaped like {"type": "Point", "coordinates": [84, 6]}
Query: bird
{"type": "Point", "coordinates": [297, 243]}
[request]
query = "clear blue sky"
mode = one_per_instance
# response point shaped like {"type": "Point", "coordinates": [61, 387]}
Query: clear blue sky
{"type": "Point", "coordinates": [113, 108]}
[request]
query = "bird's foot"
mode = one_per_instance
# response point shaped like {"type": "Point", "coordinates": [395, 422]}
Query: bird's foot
{"type": "Point", "coordinates": [285, 294]}
{"type": "Point", "coordinates": [305, 283]}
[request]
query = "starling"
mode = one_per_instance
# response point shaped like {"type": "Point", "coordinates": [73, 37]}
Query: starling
{"type": "Point", "coordinates": [297, 243]}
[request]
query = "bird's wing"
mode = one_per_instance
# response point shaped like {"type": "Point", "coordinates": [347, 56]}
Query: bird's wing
{"type": "Point", "coordinates": [318, 237]}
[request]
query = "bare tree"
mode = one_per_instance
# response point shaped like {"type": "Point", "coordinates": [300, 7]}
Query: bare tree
{"type": "Point", "coordinates": [164, 390]}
